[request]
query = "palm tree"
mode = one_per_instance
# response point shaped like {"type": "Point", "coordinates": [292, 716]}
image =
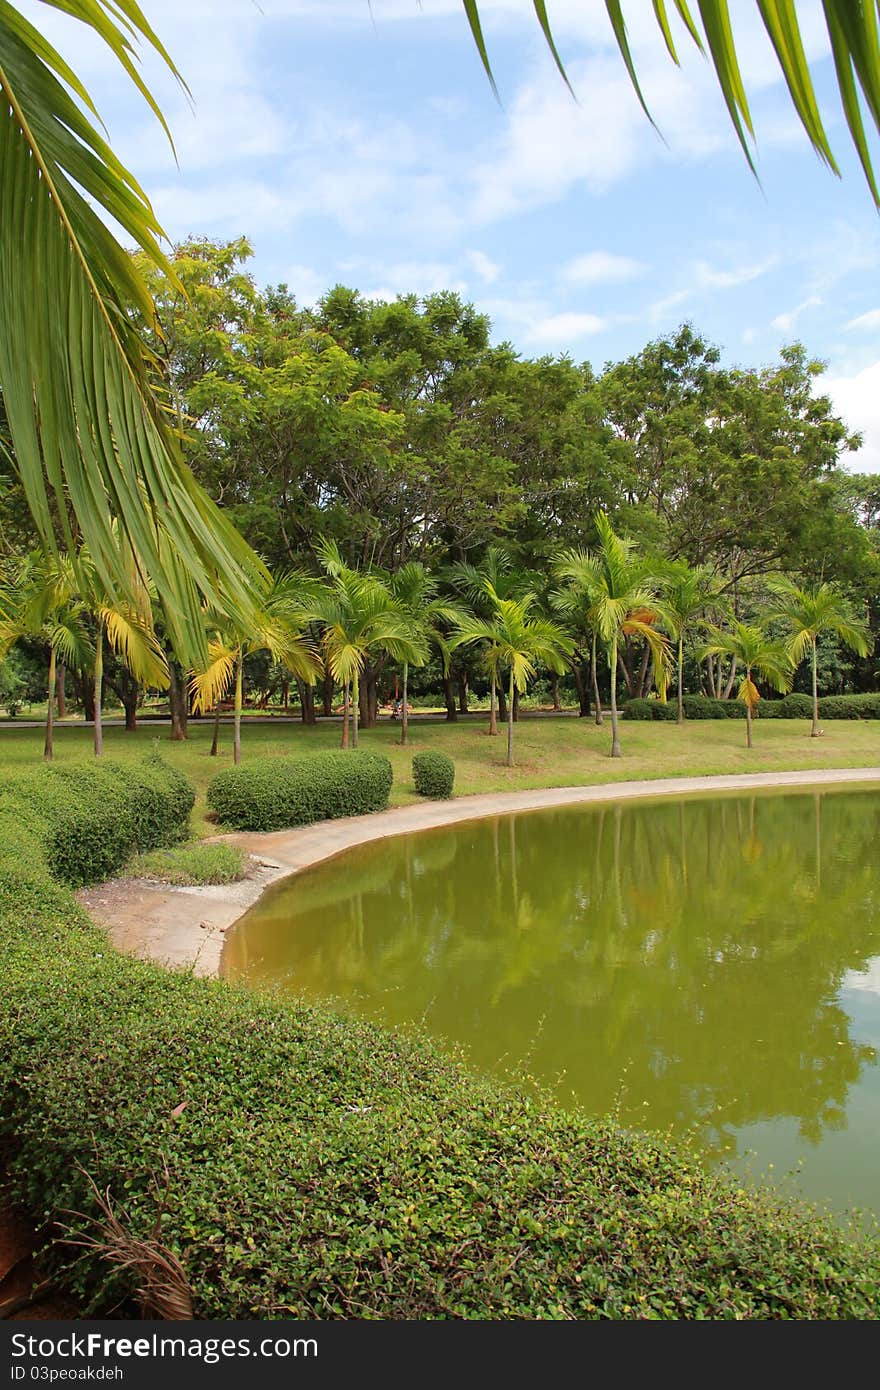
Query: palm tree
{"type": "Point", "coordinates": [852, 31]}
{"type": "Point", "coordinates": [278, 626]}
{"type": "Point", "coordinates": [41, 602]}
{"type": "Point", "coordinates": [495, 568]}
{"type": "Point", "coordinates": [686, 592]}
{"type": "Point", "coordinates": [359, 616]}
{"type": "Point", "coordinates": [89, 432]}
{"type": "Point", "coordinates": [416, 594]}
{"type": "Point", "coordinates": [809, 611]}
{"type": "Point", "coordinates": [575, 602]}
{"type": "Point", "coordinates": [752, 649]}
{"type": "Point", "coordinates": [517, 642]}
{"type": "Point", "coordinates": [624, 602]}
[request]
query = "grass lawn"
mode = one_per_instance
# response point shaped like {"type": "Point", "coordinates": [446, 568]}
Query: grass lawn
{"type": "Point", "coordinates": [549, 752]}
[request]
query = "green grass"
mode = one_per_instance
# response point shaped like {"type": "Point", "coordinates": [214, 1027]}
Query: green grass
{"type": "Point", "coordinates": [549, 752]}
{"type": "Point", "coordinates": [190, 864]}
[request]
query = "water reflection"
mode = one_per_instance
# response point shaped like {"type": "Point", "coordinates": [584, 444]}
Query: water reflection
{"type": "Point", "coordinates": [691, 962]}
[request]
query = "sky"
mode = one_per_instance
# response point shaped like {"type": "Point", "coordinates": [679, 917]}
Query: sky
{"type": "Point", "coordinates": [361, 144]}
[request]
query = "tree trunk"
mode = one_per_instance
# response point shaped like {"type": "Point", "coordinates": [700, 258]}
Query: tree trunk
{"type": "Point", "coordinates": [594, 672]}
{"type": "Point", "coordinates": [49, 745]}
{"type": "Point", "coordinates": [86, 689]}
{"type": "Point", "coordinates": [502, 702]}
{"type": "Point", "coordinates": [493, 713]}
{"type": "Point", "coordinates": [680, 685]}
{"type": "Point", "coordinates": [554, 691]}
{"type": "Point", "coordinates": [285, 695]}
{"type": "Point", "coordinates": [404, 720]}
{"type": "Point", "coordinates": [239, 701]}
{"type": "Point", "coordinates": [306, 702]}
{"type": "Point", "coordinates": [355, 710]}
{"type": "Point", "coordinates": [99, 690]}
{"type": "Point", "coordinates": [643, 683]}
{"type": "Point", "coordinates": [728, 689]}
{"type": "Point", "coordinates": [462, 682]}
{"type": "Point", "coordinates": [814, 732]}
{"type": "Point", "coordinates": [177, 703]}
{"type": "Point", "coordinates": [510, 717]}
{"type": "Point", "coordinates": [327, 695]}
{"type": "Point", "coordinates": [449, 697]}
{"type": "Point", "coordinates": [215, 742]}
{"type": "Point", "coordinates": [129, 699]}
{"type": "Point", "coordinates": [345, 707]}
{"type": "Point", "coordinates": [615, 735]}
{"type": "Point", "coordinates": [515, 705]}
{"type": "Point", "coordinates": [748, 725]}
{"type": "Point", "coordinates": [61, 691]}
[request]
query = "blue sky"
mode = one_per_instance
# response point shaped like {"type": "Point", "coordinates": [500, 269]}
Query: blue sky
{"type": "Point", "coordinates": [361, 144]}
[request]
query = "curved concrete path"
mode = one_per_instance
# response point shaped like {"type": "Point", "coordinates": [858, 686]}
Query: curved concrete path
{"type": "Point", "coordinates": [186, 926]}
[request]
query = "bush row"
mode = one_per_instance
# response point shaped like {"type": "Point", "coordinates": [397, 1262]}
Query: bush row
{"type": "Point", "coordinates": [82, 823]}
{"type": "Point", "coordinates": [274, 793]}
{"type": "Point", "coordinates": [433, 774]}
{"type": "Point", "coordinates": [793, 706]}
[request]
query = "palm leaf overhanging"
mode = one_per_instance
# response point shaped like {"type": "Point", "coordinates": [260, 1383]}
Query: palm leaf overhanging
{"type": "Point", "coordinates": [855, 46]}
{"type": "Point", "coordinates": [90, 439]}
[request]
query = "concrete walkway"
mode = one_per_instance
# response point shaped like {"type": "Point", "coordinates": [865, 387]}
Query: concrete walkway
{"type": "Point", "coordinates": [186, 926]}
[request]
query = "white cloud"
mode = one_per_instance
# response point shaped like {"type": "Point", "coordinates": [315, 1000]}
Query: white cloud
{"type": "Point", "coordinates": [786, 322]}
{"type": "Point", "coordinates": [560, 330]}
{"type": "Point", "coordinates": [600, 267]}
{"type": "Point", "coordinates": [857, 398]}
{"type": "Point", "coordinates": [487, 269]}
{"type": "Point", "coordinates": [706, 277]}
{"type": "Point", "coordinates": [870, 320]}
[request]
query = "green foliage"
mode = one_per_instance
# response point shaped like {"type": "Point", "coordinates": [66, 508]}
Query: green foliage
{"type": "Point", "coordinates": [322, 1167]}
{"type": "Point", "coordinates": [649, 709]}
{"type": "Point", "coordinates": [275, 793]}
{"type": "Point", "coordinates": [792, 706]}
{"type": "Point", "coordinates": [191, 864]}
{"type": "Point", "coordinates": [433, 774]}
{"type": "Point", "coordinates": [704, 707]}
{"type": "Point", "coordinates": [849, 706]}
{"type": "Point", "coordinates": [83, 823]}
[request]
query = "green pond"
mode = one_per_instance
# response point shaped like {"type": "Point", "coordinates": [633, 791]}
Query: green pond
{"type": "Point", "coordinates": [701, 966]}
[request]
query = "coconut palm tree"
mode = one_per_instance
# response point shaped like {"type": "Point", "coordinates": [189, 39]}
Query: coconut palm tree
{"type": "Point", "coordinates": [755, 652]}
{"type": "Point", "coordinates": [41, 602]}
{"type": "Point", "coordinates": [278, 626]}
{"type": "Point", "coordinates": [517, 642]}
{"type": "Point", "coordinates": [623, 591]}
{"type": "Point", "coordinates": [495, 568]}
{"type": "Point", "coordinates": [807, 612]}
{"type": "Point", "coordinates": [360, 616]}
{"type": "Point", "coordinates": [90, 436]}
{"type": "Point", "coordinates": [853, 37]}
{"type": "Point", "coordinates": [686, 593]}
{"type": "Point", "coordinates": [416, 593]}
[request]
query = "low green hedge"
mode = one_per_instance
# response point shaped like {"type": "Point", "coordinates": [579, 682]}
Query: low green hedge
{"type": "Point", "coordinates": [650, 709]}
{"type": "Point", "coordinates": [275, 793]}
{"type": "Point", "coordinates": [433, 774]}
{"type": "Point", "coordinates": [849, 706]}
{"type": "Point", "coordinates": [793, 706]}
{"type": "Point", "coordinates": [86, 820]}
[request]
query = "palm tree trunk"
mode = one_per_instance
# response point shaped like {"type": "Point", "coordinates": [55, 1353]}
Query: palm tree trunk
{"type": "Point", "coordinates": [61, 690]}
{"type": "Point", "coordinates": [215, 742]}
{"type": "Point", "coordinates": [680, 677]}
{"type": "Point", "coordinates": [814, 733]}
{"type": "Point", "coordinates": [595, 678]}
{"type": "Point", "coordinates": [493, 714]}
{"type": "Point", "coordinates": [49, 746]}
{"type": "Point", "coordinates": [510, 722]}
{"type": "Point", "coordinates": [748, 712]}
{"type": "Point", "coordinates": [615, 736]}
{"type": "Point", "coordinates": [99, 681]}
{"type": "Point", "coordinates": [404, 723]}
{"type": "Point", "coordinates": [345, 708]}
{"type": "Point", "coordinates": [355, 710]}
{"type": "Point", "coordinates": [236, 727]}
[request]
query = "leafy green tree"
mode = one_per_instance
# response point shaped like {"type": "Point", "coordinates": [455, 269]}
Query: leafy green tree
{"type": "Point", "coordinates": [517, 642]}
{"type": "Point", "coordinates": [686, 594]}
{"type": "Point", "coordinates": [416, 593]}
{"type": "Point", "coordinates": [623, 594]}
{"type": "Point", "coordinates": [472, 581]}
{"type": "Point", "coordinates": [807, 611]}
{"type": "Point", "coordinates": [751, 648]}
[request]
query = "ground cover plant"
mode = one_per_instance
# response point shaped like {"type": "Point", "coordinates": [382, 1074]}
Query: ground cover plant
{"type": "Point", "coordinates": [190, 864]}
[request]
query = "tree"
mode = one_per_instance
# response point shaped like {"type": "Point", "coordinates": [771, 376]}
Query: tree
{"type": "Point", "coordinates": [808, 611]}
{"type": "Point", "coordinates": [516, 642]}
{"type": "Point", "coordinates": [686, 592]}
{"type": "Point", "coordinates": [277, 627]}
{"type": "Point", "coordinates": [852, 31]}
{"type": "Point", "coordinates": [622, 590]}
{"type": "Point", "coordinates": [751, 648]}
{"type": "Point", "coordinates": [360, 616]}
{"type": "Point", "coordinates": [472, 581]}
{"type": "Point", "coordinates": [416, 594]}
{"type": "Point", "coordinates": [90, 438]}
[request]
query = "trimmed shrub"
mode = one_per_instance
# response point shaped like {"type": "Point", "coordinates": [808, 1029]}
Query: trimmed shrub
{"type": "Point", "coordinates": [702, 707]}
{"type": "Point", "coordinates": [86, 821]}
{"type": "Point", "coordinates": [433, 774]}
{"type": "Point", "coordinates": [650, 709]}
{"type": "Point", "coordinates": [793, 706]}
{"type": "Point", "coordinates": [849, 706]}
{"type": "Point", "coordinates": [276, 793]}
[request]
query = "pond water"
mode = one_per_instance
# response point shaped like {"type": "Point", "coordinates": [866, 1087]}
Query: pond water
{"type": "Point", "coordinates": [703, 966]}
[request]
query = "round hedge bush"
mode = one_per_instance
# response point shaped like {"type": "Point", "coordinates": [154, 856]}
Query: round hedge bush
{"type": "Point", "coordinates": [278, 793]}
{"type": "Point", "coordinates": [433, 774]}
